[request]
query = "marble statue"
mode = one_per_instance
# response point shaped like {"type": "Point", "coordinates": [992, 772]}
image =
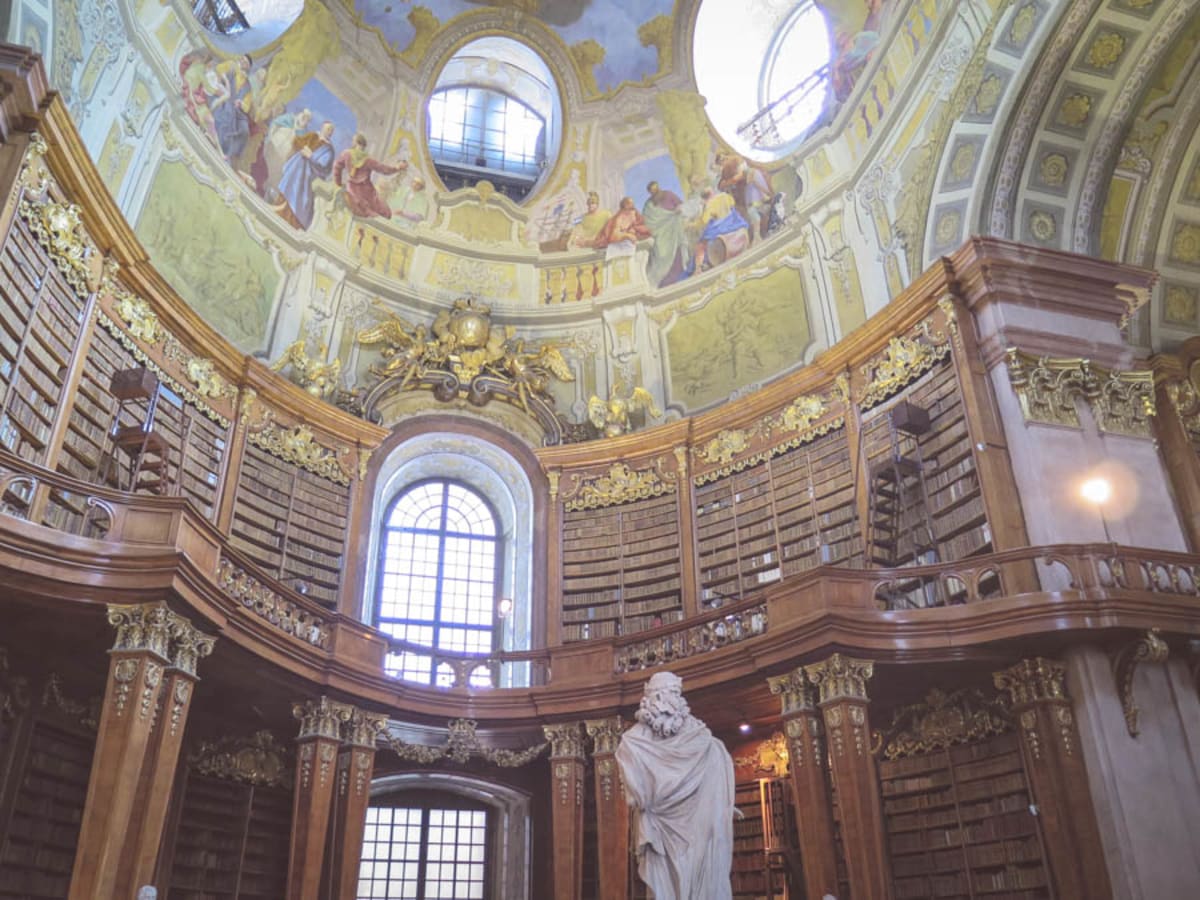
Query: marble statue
{"type": "Point", "coordinates": [679, 782]}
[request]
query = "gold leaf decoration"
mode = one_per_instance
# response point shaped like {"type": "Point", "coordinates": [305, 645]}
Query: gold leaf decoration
{"type": "Point", "coordinates": [903, 360]}
{"type": "Point", "coordinates": [59, 229]}
{"type": "Point", "coordinates": [942, 720]}
{"type": "Point", "coordinates": [725, 446]}
{"type": "Point", "coordinates": [462, 745]}
{"type": "Point", "coordinates": [1048, 389]}
{"type": "Point", "coordinates": [620, 484]}
{"type": "Point", "coordinates": [140, 320]}
{"type": "Point", "coordinates": [298, 445]}
{"type": "Point", "coordinates": [259, 760]}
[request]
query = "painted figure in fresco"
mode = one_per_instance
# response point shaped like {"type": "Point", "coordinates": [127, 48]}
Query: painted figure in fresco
{"type": "Point", "coordinates": [621, 232]}
{"type": "Point", "coordinates": [352, 171]}
{"type": "Point", "coordinates": [282, 135]}
{"type": "Point", "coordinates": [679, 782]}
{"type": "Point", "coordinates": [231, 111]}
{"type": "Point", "coordinates": [724, 232]}
{"type": "Point", "coordinates": [202, 87]}
{"type": "Point", "coordinates": [750, 187]}
{"type": "Point", "coordinates": [670, 260]}
{"type": "Point", "coordinates": [412, 202]}
{"type": "Point", "coordinates": [588, 228]}
{"type": "Point", "coordinates": [312, 158]}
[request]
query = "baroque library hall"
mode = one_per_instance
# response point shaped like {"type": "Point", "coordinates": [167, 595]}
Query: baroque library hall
{"type": "Point", "coordinates": [395, 396]}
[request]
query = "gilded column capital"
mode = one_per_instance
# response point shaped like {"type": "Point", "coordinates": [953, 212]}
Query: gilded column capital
{"type": "Point", "coordinates": [841, 678]}
{"type": "Point", "coordinates": [1035, 680]}
{"type": "Point", "coordinates": [321, 718]}
{"type": "Point", "coordinates": [189, 645]}
{"type": "Point", "coordinates": [605, 734]}
{"type": "Point", "coordinates": [144, 627]}
{"type": "Point", "coordinates": [794, 690]}
{"type": "Point", "coordinates": [566, 739]}
{"type": "Point", "coordinates": [363, 728]}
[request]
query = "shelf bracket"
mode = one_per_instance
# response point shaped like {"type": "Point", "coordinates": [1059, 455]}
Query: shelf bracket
{"type": "Point", "coordinates": [1149, 648]}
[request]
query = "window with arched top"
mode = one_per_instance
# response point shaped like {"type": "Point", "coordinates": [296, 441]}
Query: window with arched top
{"type": "Point", "coordinates": [439, 565]}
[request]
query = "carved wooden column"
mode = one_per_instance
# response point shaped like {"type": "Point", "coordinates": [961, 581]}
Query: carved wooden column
{"type": "Point", "coordinates": [843, 699]}
{"type": "Point", "coordinates": [1057, 778]}
{"type": "Point", "coordinates": [316, 759]}
{"type": "Point", "coordinates": [554, 539]}
{"type": "Point", "coordinates": [566, 770]}
{"type": "Point", "coordinates": [612, 813]}
{"type": "Point", "coordinates": [1175, 397]}
{"type": "Point", "coordinates": [188, 647]}
{"type": "Point", "coordinates": [355, 765]}
{"type": "Point", "coordinates": [689, 568]}
{"type": "Point", "coordinates": [810, 787]}
{"type": "Point", "coordinates": [137, 660]}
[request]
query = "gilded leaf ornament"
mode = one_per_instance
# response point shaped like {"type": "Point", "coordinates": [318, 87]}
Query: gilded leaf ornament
{"type": "Point", "coordinates": [298, 445]}
{"type": "Point", "coordinates": [258, 760]}
{"type": "Point", "coordinates": [725, 446]}
{"type": "Point", "coordinates": [140, 320]}
{"type": "Point", "coordinates": [1048, 390]}
{"type": "Point", "coordinates": [941, 720]}
{"type": "Point", "coordinates": [462, 745]}
{"type": "Point", "coordinates": [209, 383]}
{"type": "Point", "coordinates": [903, 360]}
{"type": "Point", "coordinates": [770, 758]}
{"type": "Point", "coordinates": [620, 484]}
{"type": "Point", "coordinates": [59, 229]}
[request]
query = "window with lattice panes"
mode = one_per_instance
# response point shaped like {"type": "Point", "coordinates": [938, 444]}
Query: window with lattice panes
{"type": "Point", "coordinates": [418, 852]}
{"type": "Point", "coordinates": [438, 571]}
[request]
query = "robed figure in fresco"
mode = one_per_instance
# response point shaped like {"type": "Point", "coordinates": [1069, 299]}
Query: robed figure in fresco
{"type": "Point", "coordinates": [669, 256]}
{"type": "Point", "coordinates": [312, 158]}
{"type": "Point", "coordinates": [352, 170]}
{"type": "Point", "coordinates": [679, 782]}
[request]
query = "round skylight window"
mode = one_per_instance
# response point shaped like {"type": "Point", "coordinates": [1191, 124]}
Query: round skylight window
{"type": "Point", "coordinates": [762, 112]}
{"type": "Point", "coordinates": [266, 18]}
{"type": "Point", "coordinates": [495, 115]}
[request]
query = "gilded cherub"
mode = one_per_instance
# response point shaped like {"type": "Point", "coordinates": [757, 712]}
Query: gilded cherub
{"type": "Point", "coordinates": [316, 377]}
{"type": "Point", "coordinates": [529, 372]}
{"type": "Point", "coordinates": [611, 417]}
{"type": "Point", "coordinates": [408, 352]}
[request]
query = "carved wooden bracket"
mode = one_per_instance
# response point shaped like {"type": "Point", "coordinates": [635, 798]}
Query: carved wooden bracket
{"type": "Point", "coordinates": [1150, 648]}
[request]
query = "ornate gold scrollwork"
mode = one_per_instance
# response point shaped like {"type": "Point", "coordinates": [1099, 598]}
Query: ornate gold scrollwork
{"type": "Point", "coordinates": [298, 445]}
{"type": "Point", "coordinates": [605, 734]}
{"type": "Point", "coordinates": [461, 745]}
{"type": "Point", "coordinates": [620, 484]}
{"type": "Point", "coordinates": [942, 720]}
{"type": "Point", "coordinates": [611, 417]}
{"type": "Point", "coordinates": [259, 760]}
{"type": "Point", "coordinates": [727, 444]}
{"type": "Point", "coordinates": [1149, 648]}
{"type": "Point", "coordinates": [59, 229]}
{"type": "Point", "coordinates": [841, 678]}
{"type": "Point", "coordinates": [316, 377]}
{"type": "Point", "coordinates": [209, 383]}
{"type": "Point", "coordinates": [770, 758]}
{"type": "Point", "coordinates": [794, 690]}
{"type": "Point", "coordinates": [140, 320]}
{"type": "Point", "coordinates": [903, 360]}
{"type": "Point", "coordinates": [1047, 389]}
{"type": "Point", "coordinates": [321, 718]}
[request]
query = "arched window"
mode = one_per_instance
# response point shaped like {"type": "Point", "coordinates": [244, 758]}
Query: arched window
{"type": "Point", "coordinates": [425, 847]}
{"type": "Point", "coordinates": [438, 570]}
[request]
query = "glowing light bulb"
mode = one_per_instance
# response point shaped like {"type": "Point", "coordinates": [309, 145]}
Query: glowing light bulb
{"type": "Point", "coordinates": [744, 728]}
{"type": "Point", "coordinates": [1096, 490]}
{"type": "Point", "coordinates": [504, 607]}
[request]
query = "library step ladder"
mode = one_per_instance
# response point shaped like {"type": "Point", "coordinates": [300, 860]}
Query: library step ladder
{"type": "Point", "coordinates": [146, 450]}
{"type": "Point", "coordinates": [899, 526]}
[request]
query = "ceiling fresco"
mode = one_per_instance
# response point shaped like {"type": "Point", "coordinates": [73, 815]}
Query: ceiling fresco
{"type": "Point", "coordinates": [288, 194]}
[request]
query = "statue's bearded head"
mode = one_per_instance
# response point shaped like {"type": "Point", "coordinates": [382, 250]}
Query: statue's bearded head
{"type": "Point", "coordinates": [663, 709]}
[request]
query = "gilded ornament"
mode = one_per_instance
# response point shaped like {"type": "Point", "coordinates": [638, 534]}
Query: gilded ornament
{"type": "Point", "coordinates": [258, 760]}
{"type": "Point", "coordinates": [35, 177]}
{"type": "Point", "coordinates": [962, 163]}
{"type": "Point", "coordinates": [611, 418]}
{"type": "Point", "coordinates": [1035, 680]}
{"type": "Point", "coordinates": [1053, 169]}
{"type": "Point", "coordinates": [800, 414]}
{"type": "Point", "coordinates": [1047, 389]}
{"type": "Point", "coordinates": [321, 718]}
{"type": "Point", "coordinates": [948, 225]}
{"type": "Point", "coordinates": [285, 615]}
{"type": "Point", "coordinates": [1180, 305]}
{"type": "Point", "coordinates": [1075, 110]}
{"type": "Point", "coordinates": [462, 744]}
{"type": "Point", "coordinates": [794, 690]}
{"type": "Point", "coordinates": [605, 734]}
{"type": "Point", "coordinates": [903, 361]}
{"type": "Point", "coordinates": [1106, 50]}
{"type": "Point", "coordinates": [1022, 24]}
{"type": "Point", "coordinates": [1149, 648]}
{"type": "Point", "coordinates": [770, 758]}
{"type": "Point", "coordinates": [1042, 225]}
{"type": "Point", "coordinates": [316, 377]}
{"type": "Point", "coordinates": [620, 484]}
{"type": "Point", "coordinates": [941, 720]}
{"type": "Point", "coordinates": [142, 628]}
{"type": "Point", "coordinates": [363, 728]}
{"type": "Point", "coordinates": [727, 444]}
{"type": "Point", "coordinates": [566, 740]}
{"type": "Point", "coordinates": [140, 320]}
{"type": "Point", "coordinates": [364, 463]}
{"type": "Point", "coordinates": [987, 96]}
{"type": "Point", "coordinates": [53, 697]}
{"type": "Point", "coordinates": [1185, 244]}
{"type": "Point", "coordinates": [298, 445]}
{"type": "Point", "coordinates": [59, 229]}
{"type": "Point", "coordinates": [841, 678]}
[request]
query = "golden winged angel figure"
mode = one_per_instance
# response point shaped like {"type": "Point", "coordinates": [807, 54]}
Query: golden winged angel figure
{"type": "Point", "coordinates": [314, 376]}
{"type": "Point", "coordinates": [408, 352]}
{"type": "Point", "coordinates": [611, 417]}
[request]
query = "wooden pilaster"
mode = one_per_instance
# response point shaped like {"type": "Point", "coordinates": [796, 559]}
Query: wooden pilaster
{"type": "Point", "coordinates": [689, 567]}
{"type": "Point", "coordinates": [188, 647]}
{"type": "Point", "coordinates": [567, 774]}
{"type": "Point", "coordinates": [554, 538]}
{"type": "Point", "coordinates": [612, 812]}
{"type": "Point", "coordinates": [137, 661]}
{"type": "Point", "coordinates": [842, 683]}
{"type": "Point", "coordinates": [1055, 769]}
{"type": "Point", "coordinates": [810, 785]}
{"type": "Point", "coordinates": [355, 766]}
{"type": "Point", "coordinates": [1179, 457]}
{"type": "Point", "coordinates": [312, 801]}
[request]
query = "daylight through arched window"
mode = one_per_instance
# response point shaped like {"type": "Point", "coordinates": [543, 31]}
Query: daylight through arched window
{"type": "Point", "coordinates": [437, 580]}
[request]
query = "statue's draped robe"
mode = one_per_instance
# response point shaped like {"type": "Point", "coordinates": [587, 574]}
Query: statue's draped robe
{"type": "Point", "coordinates": [680, 789]}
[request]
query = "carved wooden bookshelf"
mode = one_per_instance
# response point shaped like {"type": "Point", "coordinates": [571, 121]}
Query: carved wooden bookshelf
{"type": "Point", "coordinates": [959, 823]}
{"type": "Point", "coordinates": [49, 762]}
{"type": "Point", "coordinates": [777, 519]}
{"type": "Point", "coordinates": [230, 840]}
{"type": "Point", "coordinates": [292, 523]}
{"type": "Point", "coordinates": [621, 568]}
